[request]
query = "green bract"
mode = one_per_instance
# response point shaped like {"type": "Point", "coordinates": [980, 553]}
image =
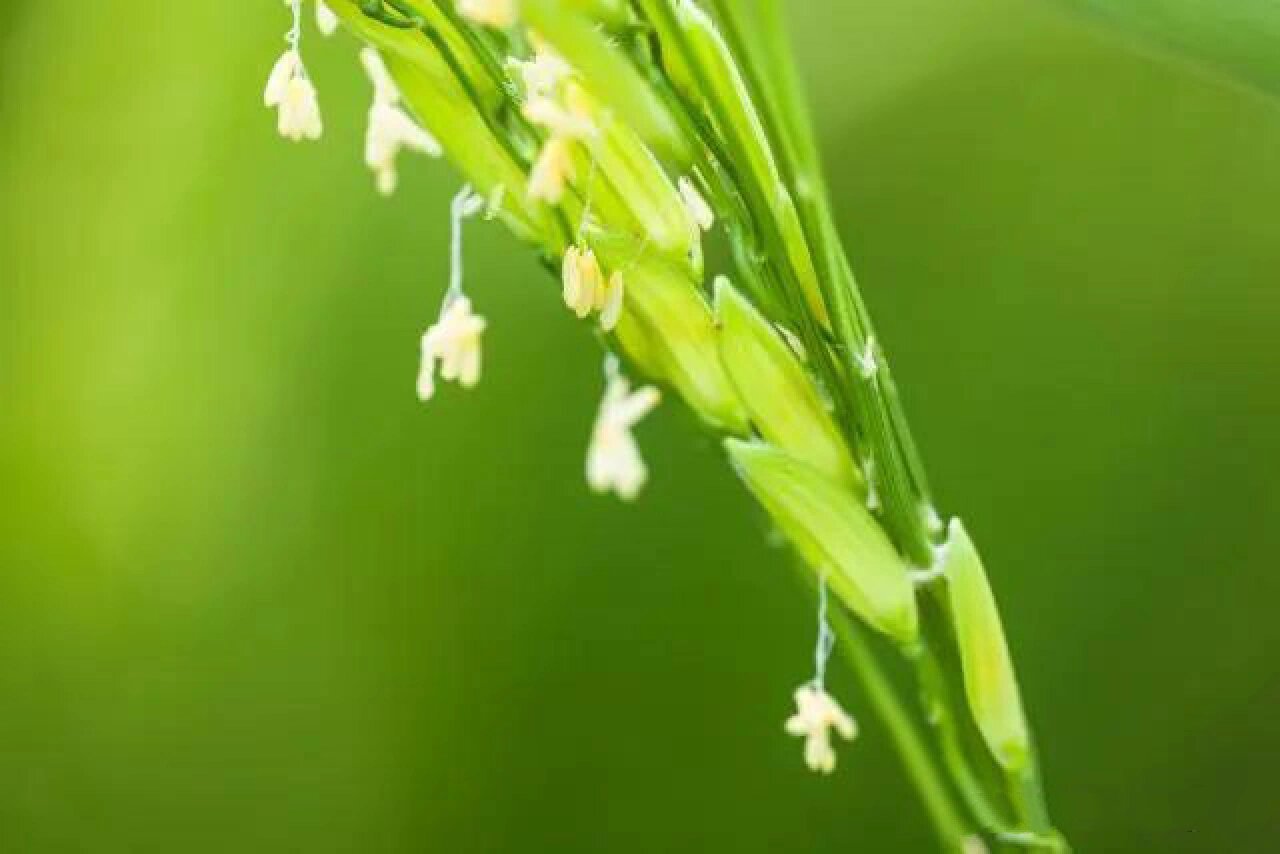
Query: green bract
{"type": "Point", "coordinates": [673, 327]}
{"type": "Point", "coordinates": [646, 192]}
{"type": "Point", "coordinates": [729, 99]}
{"type": "Point", "coordinates": [835, 533]}
{"type": "Point", "coordinates": [779, 396]}
{"type": "Point", "coordinates": [989, 681]}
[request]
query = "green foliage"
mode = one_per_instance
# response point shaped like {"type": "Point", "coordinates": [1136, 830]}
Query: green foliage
{"type": "Point", "coordinates": [1239, 39]}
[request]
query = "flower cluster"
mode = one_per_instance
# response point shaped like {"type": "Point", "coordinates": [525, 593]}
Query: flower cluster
{"type": "Point", "coordinates": [613, 459]}
{"type": "Point", "coordinates": [292, 94]}
{"type": "Point", "coordinates": [289, 90]}
{"type": "Point", "coordinates": [598, 132]}
{"type": "Point", "coordinates": [452, 343]}
{"type": "Point", "coordinates": [817, 714]}
{"type": "Point", "coordinates": [390, 127]}
{"type": "Point", "coordinates": [616, 209]}
{"type": "Point", "coordinates": [451, 347]}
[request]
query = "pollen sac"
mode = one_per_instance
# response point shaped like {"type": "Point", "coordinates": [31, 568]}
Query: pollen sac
{"type": "Point", "coordinates": [776, 390]}
{"type": "Point", "coordinates": [835, 533]}
{"type": "Point", "coordinates": [989, 681]}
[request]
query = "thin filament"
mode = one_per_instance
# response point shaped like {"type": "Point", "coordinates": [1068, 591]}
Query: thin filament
{"type": "Point", "coordinates": [294, 36]}
{"type": "Point", "coordinates": [465, 203]}
{"type": "Point", "coordinates": [826, 638]}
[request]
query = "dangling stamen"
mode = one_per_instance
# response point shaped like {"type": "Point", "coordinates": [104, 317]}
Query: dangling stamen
{"type": "Point", "coordinates": [390, 127]}
{"type": "Point", "coordinates": [817, 712]}
{"type": "Point", "coordinates": [290, 91]}
{"type": "Point", "coordinates": [826, 639]}
{"type": "Point", "coordinates": [453, 340]}
{"type": "Point", "coordinates": [613, 458]}
{"type": "Point", "coordinates": [466, 203]}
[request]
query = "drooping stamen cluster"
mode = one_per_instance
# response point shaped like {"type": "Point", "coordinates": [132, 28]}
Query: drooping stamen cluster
{"type": "Point", "coordinates": [390, 127]}
{"type": "Point", "coordinates": [453, 342]}
{"type": "Point", "coordinates": [290, 91]}
{"type": "Point", "coordinates": [613, 458]}
{"type": "Point", "coordinates": [817, 712]}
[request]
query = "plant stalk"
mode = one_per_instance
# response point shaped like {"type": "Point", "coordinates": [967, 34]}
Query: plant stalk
{"type": "Point", "coordinates": [731, 95]}
{"type": "Point", "coordinates": [936, 796]}
{"type": "Point", "coordinates": [758, 34]}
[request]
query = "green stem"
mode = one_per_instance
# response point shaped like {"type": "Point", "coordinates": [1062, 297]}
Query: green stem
{"type": "Point", "coordinates": [753, 242]}
{"type": "Point", "coordinates": [948, 822]}
{"type": "Point", "coordinates": [938, 710]}
{"type": "Point", "coordinates": [758, 37]}
{"type": "Point", "coordinates": [782, 249]}
{"type": "Point", "coordinates": [482, 52]}
{"type": "Point", "coordinates": [901, 474]}
{"type": "Point", "coordinates": [464, 79]}
{"type": "Point", "coordinates": [728, 150]}
{"type": "Point", "coordinates": [1027, 793]}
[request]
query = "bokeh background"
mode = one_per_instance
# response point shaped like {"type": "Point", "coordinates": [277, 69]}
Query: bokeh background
{"type": "Point", "coordinates": [254, 597]}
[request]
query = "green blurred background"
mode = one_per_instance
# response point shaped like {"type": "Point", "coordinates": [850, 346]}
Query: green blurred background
{"type": "Point", "coordinates": [254, 597]}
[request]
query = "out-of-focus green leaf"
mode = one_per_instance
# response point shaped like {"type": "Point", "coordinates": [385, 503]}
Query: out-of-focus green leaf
{"type": "Point", "coordinates": [1237, 38]}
